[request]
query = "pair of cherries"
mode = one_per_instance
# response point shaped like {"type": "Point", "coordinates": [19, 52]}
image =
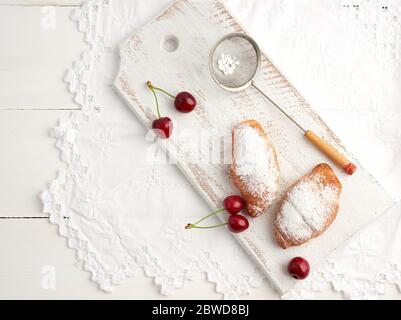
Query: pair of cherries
{"type": "Point", "coordinates": [298, 267]}
{"type": "Point", "coordinates": [183, 102]}
{"type": "Point", "coordinates": [236, 223]}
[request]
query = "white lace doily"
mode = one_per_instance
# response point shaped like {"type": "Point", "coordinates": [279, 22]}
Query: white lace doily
{"type": "Point", "coordinates": [121, 214]}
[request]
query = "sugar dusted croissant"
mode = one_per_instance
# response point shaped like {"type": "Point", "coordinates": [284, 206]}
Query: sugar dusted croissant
{"type": "Point", "coordinates": [254, 170]}
{"type": "Point", "coordinates": [308, 208]}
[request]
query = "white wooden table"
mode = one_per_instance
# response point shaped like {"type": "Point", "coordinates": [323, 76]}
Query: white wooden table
{"type": "Point", "coordinates": [37, 43]}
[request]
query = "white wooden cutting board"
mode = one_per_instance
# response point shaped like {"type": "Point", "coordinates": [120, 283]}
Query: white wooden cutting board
{"type": "Point", "coordinates": [172, 51]}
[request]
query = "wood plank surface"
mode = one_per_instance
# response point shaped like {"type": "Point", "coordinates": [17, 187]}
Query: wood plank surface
{"type": "Point", "coordinates": [38, 255]}
{"type": "Point", "coordinates": [35, 55]}
{"type": "Point", "coordinates": [28, 160]}
{"type": "Point", "coordinates": [31, 253]}
{"type": "Point", "coordinates": [32, 64]}
{"type": "Point", "coordinates": [40, 2]}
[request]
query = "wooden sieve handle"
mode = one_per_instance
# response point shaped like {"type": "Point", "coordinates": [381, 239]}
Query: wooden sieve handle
{"type": "Point", "coordinates": [338, 158]}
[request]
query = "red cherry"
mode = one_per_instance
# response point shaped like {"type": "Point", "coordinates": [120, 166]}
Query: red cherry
{"type": "Point", "coordinates": [163, 127]}
{"type": "Point", "coordinates": [185, 102]}
{"type": "Point", "coordinates": [237, 223]}
{"type": "Point", "coordinates": [298, 268]}
{"type": "Point", "coordinates": [234, 204]}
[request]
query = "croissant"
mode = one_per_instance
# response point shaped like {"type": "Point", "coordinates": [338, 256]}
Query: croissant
{"type": "Point", "coordinates": [254, 169]}
{"type": "Point", "coordinates": [308, 208]}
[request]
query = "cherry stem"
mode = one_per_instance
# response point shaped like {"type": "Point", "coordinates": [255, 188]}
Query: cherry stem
{"type": "Point", "coordinates": [160, 89]}
{"type": "Point", "coordinates": [165, 92]}
{"type": "Point", "coordinates": [152, 88]}
{"type": "Point", "coordinates": [194, 225]}
{"type": "Point", "coordinates": [210, 227]}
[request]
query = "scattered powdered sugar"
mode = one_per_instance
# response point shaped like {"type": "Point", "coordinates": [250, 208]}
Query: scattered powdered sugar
{"type": "Point", "coordinates": [307, 208]}
{"type": "Point", "coordinates": [255, 162]}
{"type": "Point", "coordinates": [227, 64]}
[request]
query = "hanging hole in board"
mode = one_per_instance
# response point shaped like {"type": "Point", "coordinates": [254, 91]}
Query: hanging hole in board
{"type": "Point", "coordinates": [170, 43]}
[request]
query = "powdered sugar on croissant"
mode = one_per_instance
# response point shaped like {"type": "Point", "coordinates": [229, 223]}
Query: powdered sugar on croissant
{"type": "Point", "coordinates": [308, 208]}
{"type": "Point", "coordinates": [254, 169]}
